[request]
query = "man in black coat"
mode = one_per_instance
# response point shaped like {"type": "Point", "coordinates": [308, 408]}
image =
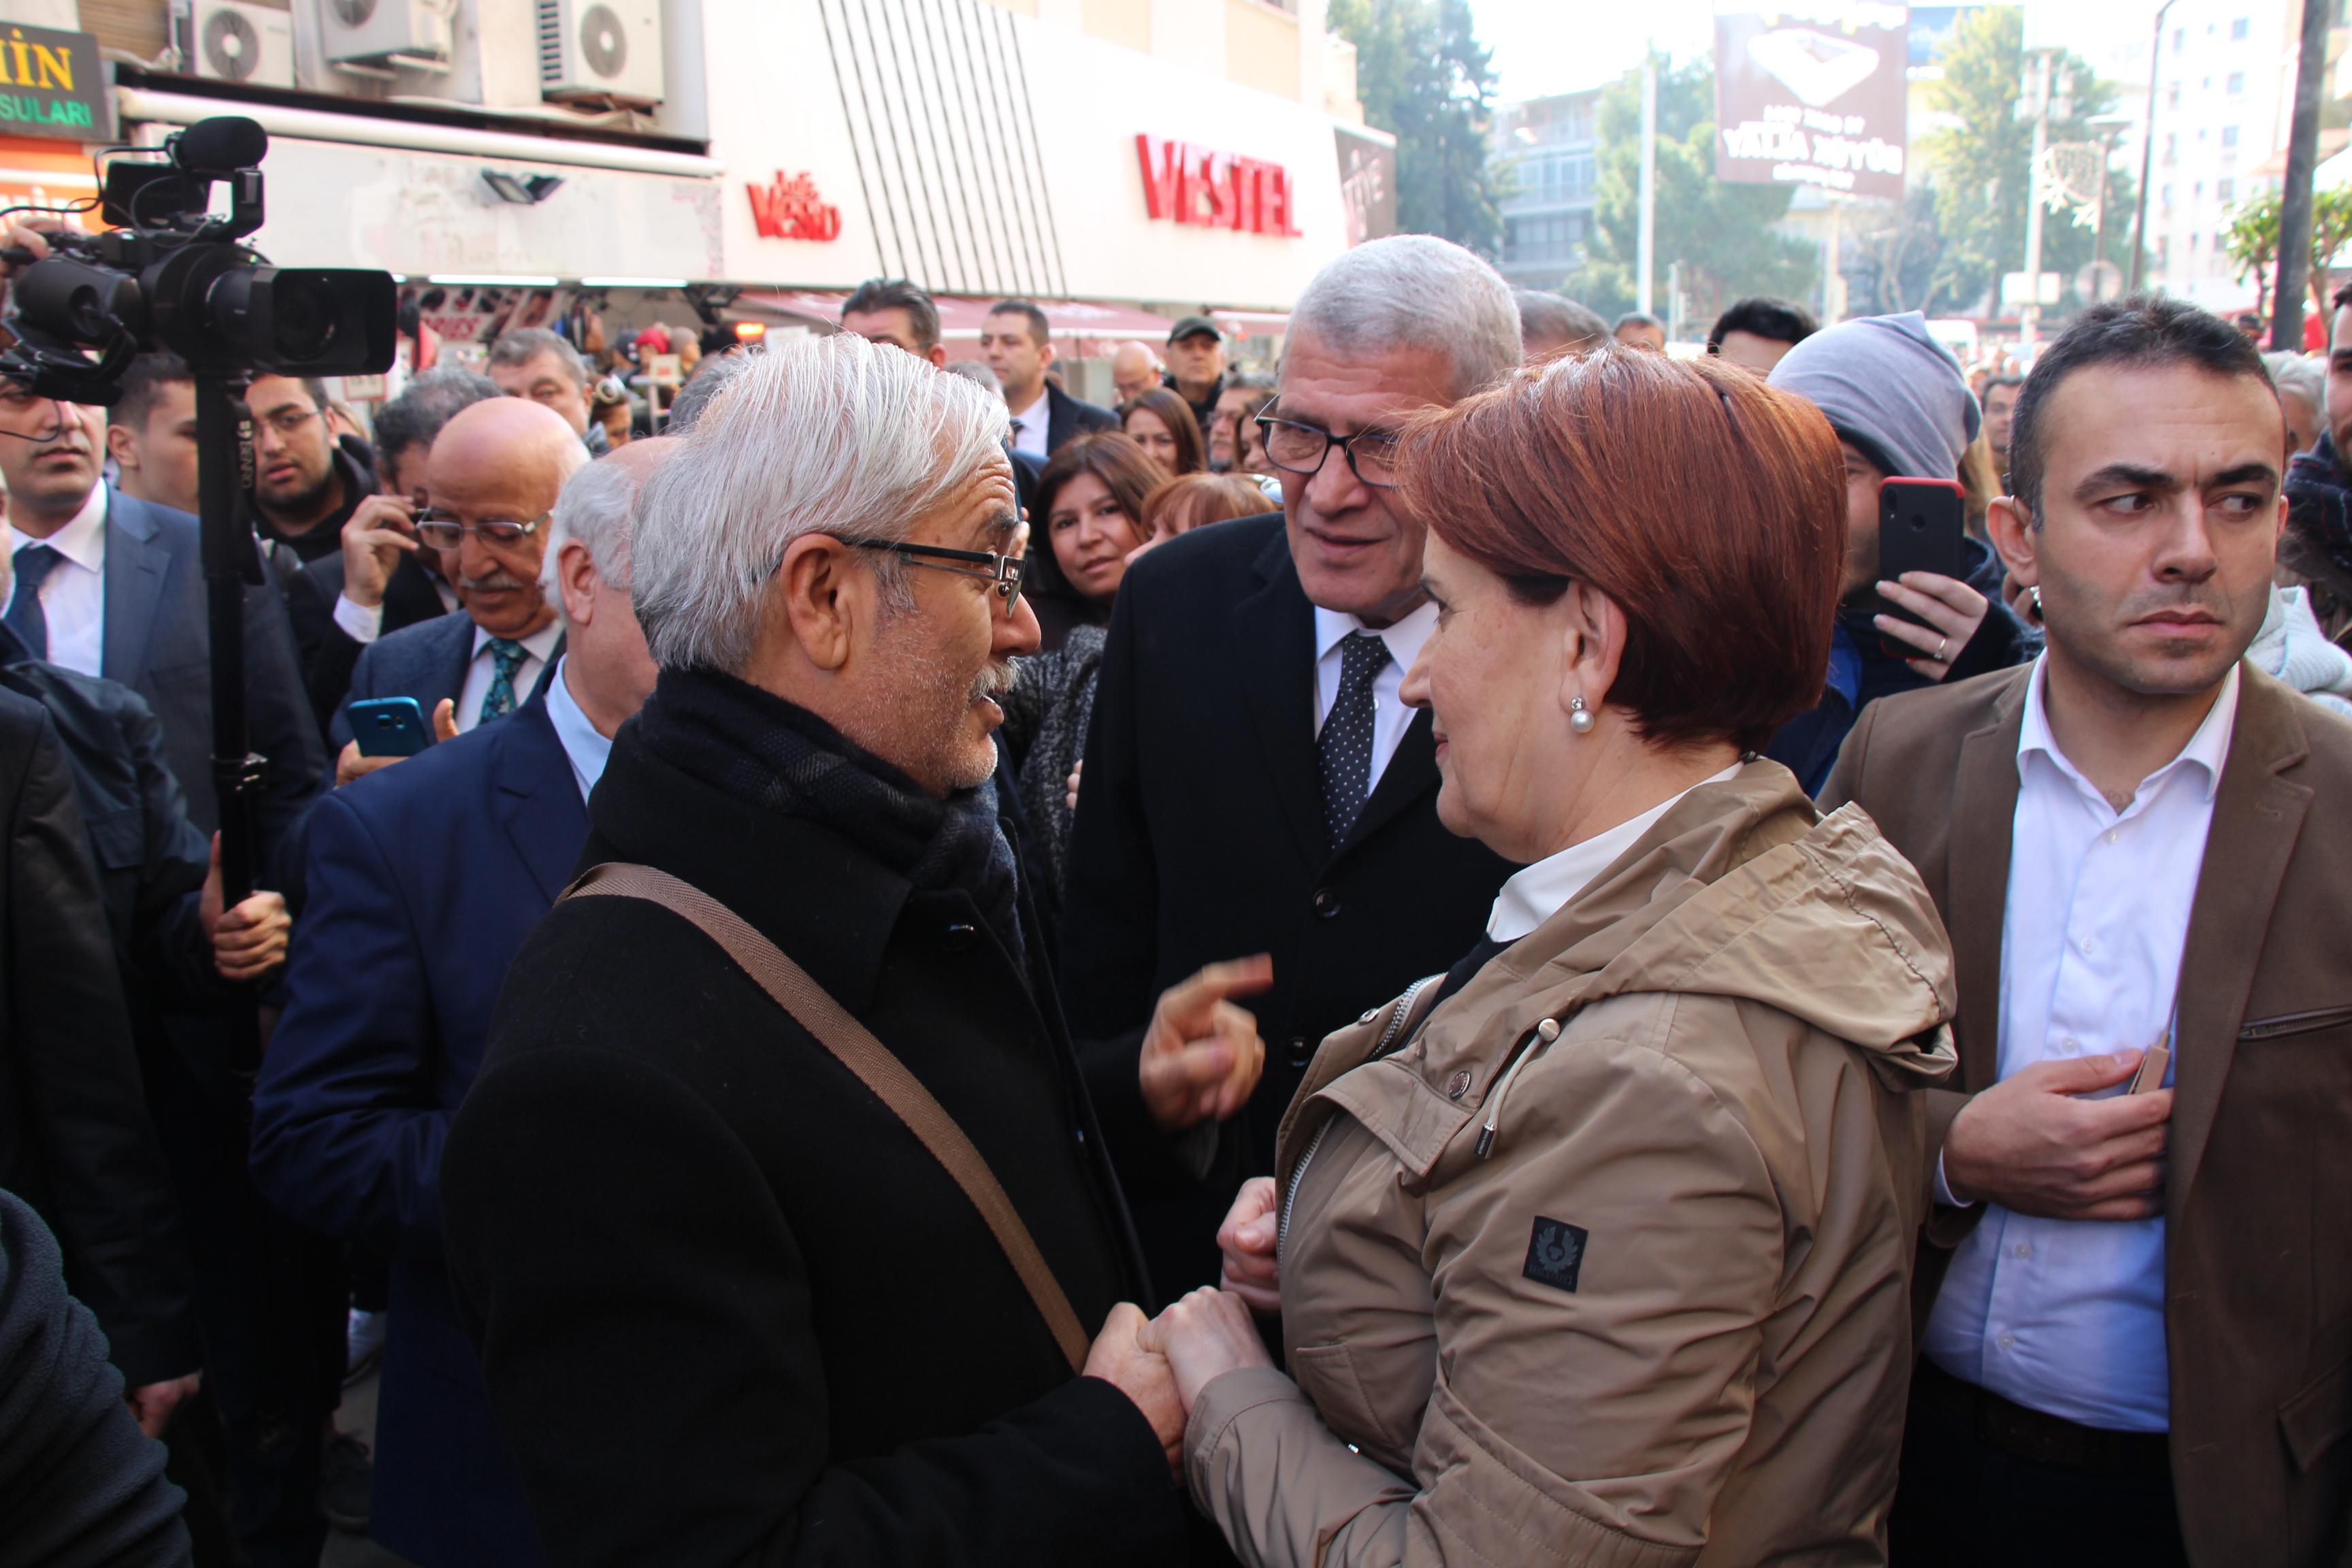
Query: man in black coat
{"type": "Point", "coordinates": [1018, 344]}
{"type": "Point", "coordinates": [728, 1306]}
{"type": "Point", "coordinates": [75, 1138]}
{"type": "Point", "coordinates": [1253, 783]}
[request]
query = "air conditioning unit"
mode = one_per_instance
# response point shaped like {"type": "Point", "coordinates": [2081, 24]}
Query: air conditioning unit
{"type": "Point", "coordinates": [248, 44]}
{"type": "Point", "coordinates": [373, 30]}
{"type": "Point", "coordinates": [600, 49]}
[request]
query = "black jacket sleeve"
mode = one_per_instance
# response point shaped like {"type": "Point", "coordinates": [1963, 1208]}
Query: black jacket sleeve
{"type": "Point", "coordinates": [71, 1068]}
{"type": "Point", "coordinates": [646, 1336]}
{"type": "Point", "coordinates": [79, 1483]}
{"type": "Point", "coordinates": [278, 720]}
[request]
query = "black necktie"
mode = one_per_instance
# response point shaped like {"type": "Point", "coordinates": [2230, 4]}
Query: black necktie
{"type": "Point", "coordinates": [1346, 744]}
{"type": "Point", "coordinates": [33, 564]}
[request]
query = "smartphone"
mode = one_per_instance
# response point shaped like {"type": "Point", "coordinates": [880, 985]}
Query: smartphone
{"type": "Point", "coordinates": [390, 727]}
{"type": "Point", "coordinates": [1921, 524]}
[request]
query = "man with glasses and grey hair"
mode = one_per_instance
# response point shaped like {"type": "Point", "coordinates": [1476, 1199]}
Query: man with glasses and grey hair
{"type": "Point", "coordinates": [423, 882]}
{"type": "Point", "coordinates": [1254, 784]}
{"type": "Point", "coordinates": [732, 1305]}
{"type": "Point", "coordinates": [491, 483]}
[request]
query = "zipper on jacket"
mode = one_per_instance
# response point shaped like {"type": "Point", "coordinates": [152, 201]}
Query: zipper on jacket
{"type": "Point", "coordinates": [1544, 1034]}
{"type": "Point", "coordinates": [1387, 1042]}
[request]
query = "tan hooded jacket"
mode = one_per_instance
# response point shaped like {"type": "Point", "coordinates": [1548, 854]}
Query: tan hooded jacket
{"type": "Point", "coordinates": [1660, 1314]}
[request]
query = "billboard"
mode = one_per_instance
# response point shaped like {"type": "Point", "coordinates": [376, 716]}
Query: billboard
{"type": "Point", "coordinates": [1367, 184]}
{"type": "Point", "coordinates": [1811, 93]}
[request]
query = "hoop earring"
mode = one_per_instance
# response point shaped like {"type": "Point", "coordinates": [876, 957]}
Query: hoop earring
{"type": "Point", "coordinates": [1580, 717]}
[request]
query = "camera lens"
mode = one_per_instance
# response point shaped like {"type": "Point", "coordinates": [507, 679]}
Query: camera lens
{"type": "Point", "coordinates": [302, 315]}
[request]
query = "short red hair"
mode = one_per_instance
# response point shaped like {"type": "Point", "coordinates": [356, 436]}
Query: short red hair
{"type": "Point", "coordinates": [1707, 506]}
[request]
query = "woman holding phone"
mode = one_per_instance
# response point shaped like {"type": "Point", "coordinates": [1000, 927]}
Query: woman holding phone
{"type": "Point", "coordinates": [1597, 1249]}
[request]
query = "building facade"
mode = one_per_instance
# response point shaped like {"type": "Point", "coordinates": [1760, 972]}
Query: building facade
{"type": "Point", "coordinates": [1547, 150]}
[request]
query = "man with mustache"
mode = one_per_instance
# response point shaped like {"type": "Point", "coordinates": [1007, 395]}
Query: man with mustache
{"type": "Point", "coordinates": [2137, 1317]}
{"type": "Point", "coordinates": [730, 1305]}
{"type": "Point", "coordinates": [490, 484]}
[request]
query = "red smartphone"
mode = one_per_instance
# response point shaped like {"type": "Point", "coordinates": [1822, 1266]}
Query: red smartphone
{"type": "Point", "coordinates": [1921, 524]}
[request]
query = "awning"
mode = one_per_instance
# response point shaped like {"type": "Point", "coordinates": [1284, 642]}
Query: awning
{"type": "Point", "coordinates": [960, 315]}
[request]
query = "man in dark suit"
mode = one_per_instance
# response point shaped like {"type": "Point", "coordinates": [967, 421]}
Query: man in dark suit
{"type": "Point", "coordinates": [2136, 1305]}
{"type": "Point", "coordinates": [424, 883]}
{"type": "Point", "coordinates": [1018, 344]}
{"type": "Point", "coordinates": [1253, 783]}
{"type": "Point", "coordinates": [490, 484]}
{"type": "Point", "coordinates": [379, 582]}
{"type": "Point", "coordinates": [113, 587]}
{"type": "Point", "coordinates": [729, 1308]}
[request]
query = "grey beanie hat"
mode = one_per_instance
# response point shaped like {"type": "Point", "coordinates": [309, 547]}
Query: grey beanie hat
{"type": "Point", "coordinates": [1889, 388]}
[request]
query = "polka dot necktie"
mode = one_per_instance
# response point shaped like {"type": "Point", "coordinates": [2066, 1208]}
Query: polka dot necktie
{"type": "Point", "coordinates": [1346, 744]}
{"type": "Point", "coordinates": [506, 657]}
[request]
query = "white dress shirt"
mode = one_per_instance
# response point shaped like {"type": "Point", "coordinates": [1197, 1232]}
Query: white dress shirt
{"type": "Point", "coordinates": [539, 647]}
{"type": "Point", "coordinates": [1536, 893]}
{"type": "Point", "coordinates": [586, 749]}
{"type": "Point", "coordinates": [2067, 1316]}
{"type": "Point", "coordinates": [73, 595]}
{"type": "Point", "coordinates": [364, 624]}
{"type": "Point", "coordinates": [1037, 425]}
{"type": "Point", "coordinates": [1390, 717]}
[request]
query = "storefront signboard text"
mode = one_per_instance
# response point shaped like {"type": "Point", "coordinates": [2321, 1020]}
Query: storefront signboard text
{"type": "Point", "coordinates": [1196, 184]}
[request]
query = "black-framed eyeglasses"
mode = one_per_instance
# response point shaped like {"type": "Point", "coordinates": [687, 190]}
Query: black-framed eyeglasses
{"type": "Point", "coordinates": [444, 533]}
{"type": "Point", "coordinates": [1304, 449]}
{"type": "Point", "coordinates": [1004, 571]}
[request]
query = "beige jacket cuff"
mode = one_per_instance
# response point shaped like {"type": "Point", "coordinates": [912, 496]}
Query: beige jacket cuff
{"type": "Point", "coordinates": [1285, 1492]}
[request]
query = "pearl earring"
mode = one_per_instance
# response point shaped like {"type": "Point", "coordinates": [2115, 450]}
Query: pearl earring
{"type": "Point", "coordinates": [1580, 717]}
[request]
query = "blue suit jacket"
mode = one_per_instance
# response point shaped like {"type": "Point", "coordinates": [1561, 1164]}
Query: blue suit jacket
{"type": "Point", "coordinates": [158, 643]}
{"type": "Point", "coordinates": [423, 880]}
{"type": "Point", "coordinates": [427, 661]}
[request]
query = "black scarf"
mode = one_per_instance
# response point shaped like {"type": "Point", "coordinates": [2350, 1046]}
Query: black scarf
{"type": "Point", "coordinates": [779, 756]}
{"type": "Point", "coordinates": [2319, 503]}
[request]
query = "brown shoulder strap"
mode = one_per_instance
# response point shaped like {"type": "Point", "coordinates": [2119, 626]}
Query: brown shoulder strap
{"type": "Point", "coordinates": [850, 1041]}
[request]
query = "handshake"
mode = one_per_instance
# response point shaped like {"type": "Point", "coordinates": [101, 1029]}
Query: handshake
{"type": "Point", "coordinates": [1162, 1364]}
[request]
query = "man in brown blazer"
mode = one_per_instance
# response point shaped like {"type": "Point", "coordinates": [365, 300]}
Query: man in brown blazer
{"type": "Point", "coordinates": [2135, 1291]}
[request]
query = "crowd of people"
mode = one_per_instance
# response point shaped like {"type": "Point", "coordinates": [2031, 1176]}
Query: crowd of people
{"type": "Point", "coordinates": [1413, 960]}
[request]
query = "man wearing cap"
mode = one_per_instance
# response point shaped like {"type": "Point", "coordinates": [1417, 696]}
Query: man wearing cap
{"type": "Point", "coordinates": [1899, 406]}
{"type": "Point", "coordinates": [1196, 366]}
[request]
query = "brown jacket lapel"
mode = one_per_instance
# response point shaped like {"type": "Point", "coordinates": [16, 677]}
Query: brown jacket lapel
{"type": "Point", "coordinates": [2257, 817]}
{"type": "Point", "coordinates": [1984, 814]}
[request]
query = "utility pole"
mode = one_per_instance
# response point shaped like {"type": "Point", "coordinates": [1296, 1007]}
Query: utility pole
{"type": "Point", "coordinates": [1645, 246]}
{"type": "Point", "coordinates": [2147, 152]}
{"type": "Point", "coordinates": [2302, 160]}
{"type": "Point", "coordinates": [1673, 301]}
{"type": "Point", "coordinates": [2036, 102]}
{"type": "Point", "coordinates": [1833, 284]}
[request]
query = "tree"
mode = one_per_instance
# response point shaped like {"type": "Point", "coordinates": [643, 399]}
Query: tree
{"type": "Point", "coordinates": [2250, 237]}
{"type": "Point", "coordinates": [1721, 232]}
{"type": "Point", "coordinates": [1422, 75]}
{"type": "Point", "coordinates": [1979, 164]}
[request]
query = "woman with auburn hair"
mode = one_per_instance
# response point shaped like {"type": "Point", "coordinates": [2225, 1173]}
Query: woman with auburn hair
{"type": "Point", "coordinates": [1194, 500]}
{"type": "Point", "coordinates": [1086, 519]}
{"type": "Point", "coordinates": [1597, 1249]}
{"type": "Point", "coordinates": [1161, 423]}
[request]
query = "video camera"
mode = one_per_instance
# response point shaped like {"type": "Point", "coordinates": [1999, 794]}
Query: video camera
{"type": "Point", "coordinates": [175, 277]}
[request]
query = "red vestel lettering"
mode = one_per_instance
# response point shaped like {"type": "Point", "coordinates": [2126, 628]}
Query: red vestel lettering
{"type": "Point", "coordinates": [791, 209]}
{"type": "Point", "coordinates": [1185, 183]}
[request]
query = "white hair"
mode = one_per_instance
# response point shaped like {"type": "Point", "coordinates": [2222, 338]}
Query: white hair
{"type": "Point", "coordinates": [2305, 376]}
{"type": "Point", "coordinates": [593, 509]}
{"type": "Point", "coordinates": [828, 435]}
{"type": "Point", "coordinates": [1415, 292]}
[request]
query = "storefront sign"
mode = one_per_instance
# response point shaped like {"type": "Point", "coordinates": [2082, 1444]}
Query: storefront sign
{"type": "Point", "coordinates": [50, 85]}
{"type": "Point", "coordinates": [1366, 184]}
{"type": "Point", "coordinates": [791, 209]}
{"type": "Point", "coordinates": [1215, 190]}
{"type": "Point", "coordinates": [1812, 94]}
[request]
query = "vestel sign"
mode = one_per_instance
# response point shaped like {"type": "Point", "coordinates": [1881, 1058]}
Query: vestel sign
{"type": "Point", "coordinates": [1215, 190]}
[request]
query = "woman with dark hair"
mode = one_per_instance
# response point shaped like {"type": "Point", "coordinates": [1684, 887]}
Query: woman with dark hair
{"type": "Point", "coordinates": [1161, 423]}
{"type": "Point", "coordinates": [1598, 1249]}
{"type": "Point", "coordinates": [1086, 519]}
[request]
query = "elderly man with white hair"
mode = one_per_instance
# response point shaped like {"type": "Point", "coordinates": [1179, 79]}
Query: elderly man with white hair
{"type": "Point", "coordinates": [779, 1211]}
{"type": "Point", "coordinates": [1254, 783]}
{"type": "Point", "coordinates": [423, 880]}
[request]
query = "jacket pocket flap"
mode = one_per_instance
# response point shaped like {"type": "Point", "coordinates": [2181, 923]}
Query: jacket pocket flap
{"type": "Point", "coordinates": [2316, 1417]}
{"type": "Point", "coordinates": [2286, 1024]}
{"type": "Point", "coordinates": [115, 839]}
{"type": "Point", "coordinates": [1396, 1107]}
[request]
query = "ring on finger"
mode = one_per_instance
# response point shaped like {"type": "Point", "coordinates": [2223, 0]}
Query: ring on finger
{"type": "Point", "coordinates": [1941, 643]}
